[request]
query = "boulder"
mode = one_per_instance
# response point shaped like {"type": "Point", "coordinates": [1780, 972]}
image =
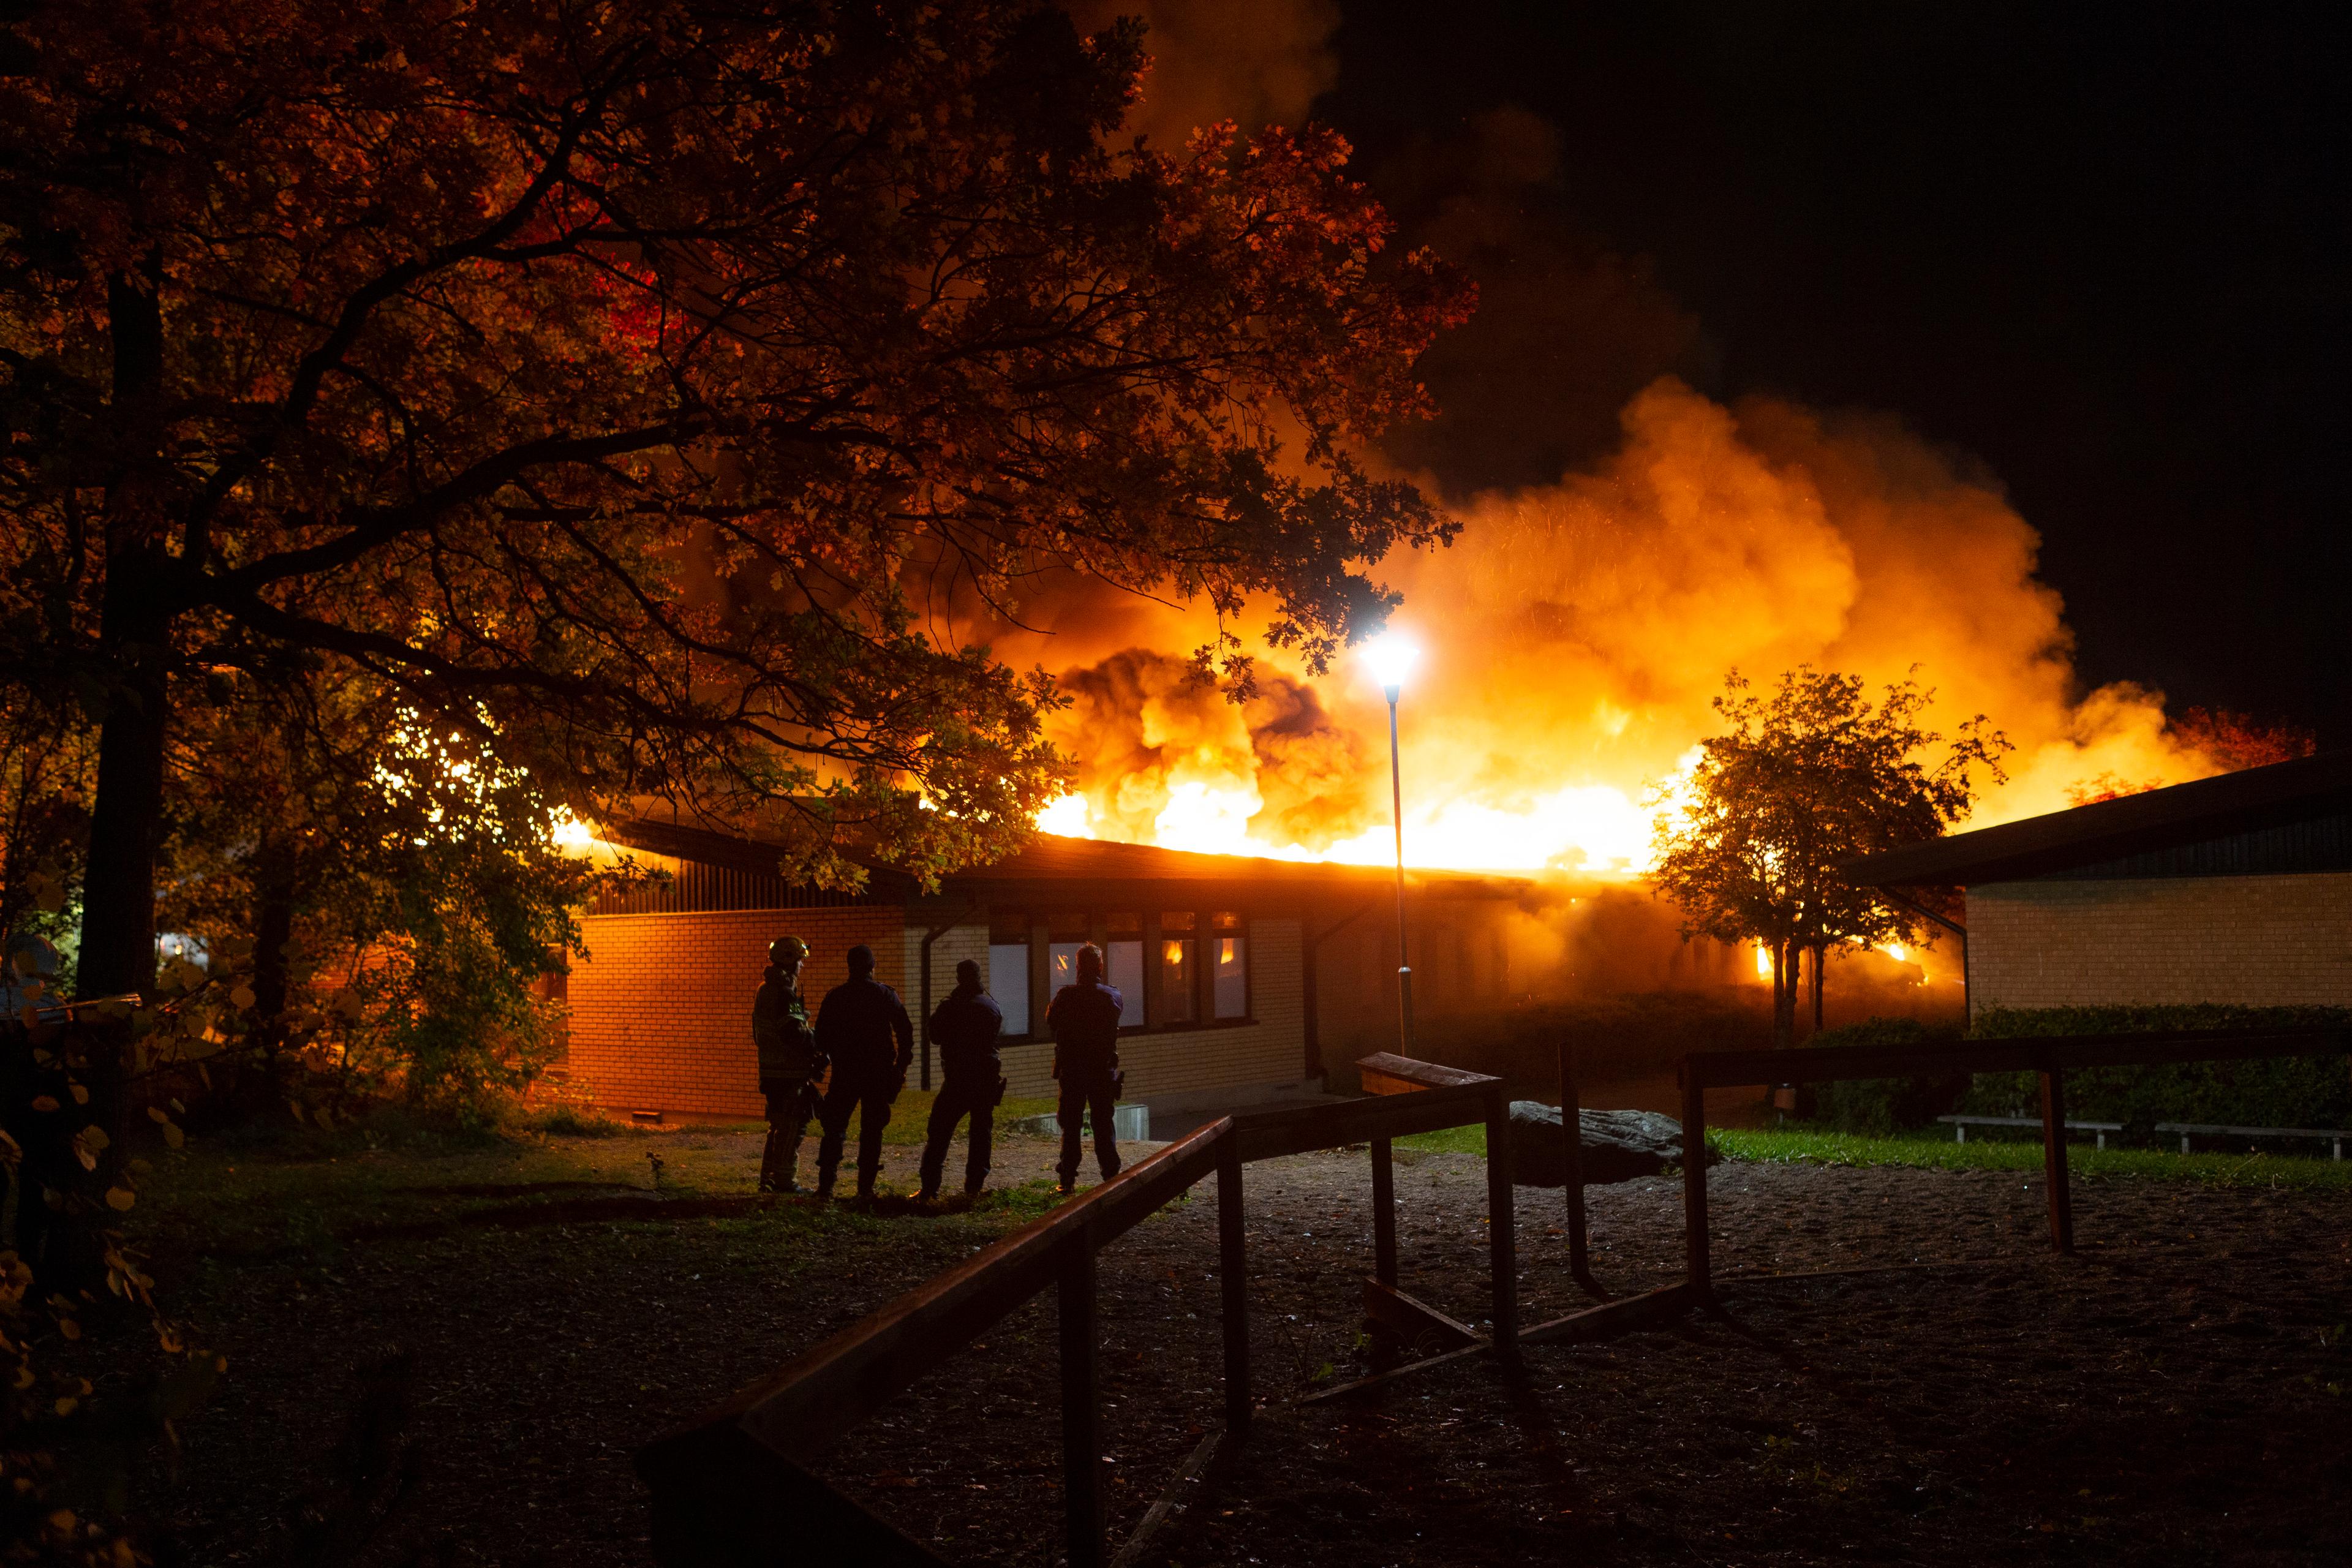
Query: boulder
{"type": "Point", "coordinates": [1616, 1145]}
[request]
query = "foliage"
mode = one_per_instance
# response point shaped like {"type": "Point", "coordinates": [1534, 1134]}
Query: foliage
{"type": "Point", "coordinates": [1751, 844]}
{"type": "Point", "coordinates": [1880, 1106]}
{"type": "Point", "coordinates": [1928, 1151]}
{"type": "Point", "coordinates": [2274, 1091]}
{"type": "Point", "coordinates": [68, 1453]}
{"type": "Point", "coordinates": [666, 382]}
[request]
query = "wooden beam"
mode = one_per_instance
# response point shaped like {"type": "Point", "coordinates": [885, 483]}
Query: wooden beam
{"type": "Point", "coordinates": [1233, 1284]}
{"type": "Point", "coordinates": [1157, 1514]}
{"type": "Point", "coordinates": [1611, 1319]}
{"type": "Point", "coordinates": [1384, 1241]}
{"type": "Point", "coordinates": [1269, 1134]}
{"type": "Point", "coordinates": [2053, 1161]}
{"type": "Point", "coordinates": [1694, 1178]}
{"type": "Point", "coordinates": [1385, 1072]}
{"type": "Point", "coordinates": [1414, 1320]}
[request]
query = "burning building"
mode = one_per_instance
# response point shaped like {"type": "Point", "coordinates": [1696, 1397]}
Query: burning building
{"type": "Point", "coordinates": [2235, 890]}
{"type": "Point", "coordinates": [1244, 978]}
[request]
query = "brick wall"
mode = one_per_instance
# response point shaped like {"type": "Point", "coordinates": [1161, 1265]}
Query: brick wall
{"type": "Point", "coordinates": [2279, 940]}
{"type": "Point", "coordinates": [661, 1004]}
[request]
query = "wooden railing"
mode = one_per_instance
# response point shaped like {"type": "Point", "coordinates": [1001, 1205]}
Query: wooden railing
{"type": "Point", "coordinates": [2052, 1057]}
{"type": "Point", "coordinates": [731, 1487]}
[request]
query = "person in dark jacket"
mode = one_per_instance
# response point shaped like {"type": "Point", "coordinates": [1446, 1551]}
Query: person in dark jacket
{"type": "Point", "coordinates": [1084, 1019]}
{"type": "Point", "coordinates": [965, 1026]}
{"type": "Point", "coordinates": [862, 1026]}
{"type": "Point", "coordinates": [789, 1063]}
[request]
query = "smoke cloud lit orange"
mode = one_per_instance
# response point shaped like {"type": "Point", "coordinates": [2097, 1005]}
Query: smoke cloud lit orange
{"type": "Point", "coordinates": [1576, 633]}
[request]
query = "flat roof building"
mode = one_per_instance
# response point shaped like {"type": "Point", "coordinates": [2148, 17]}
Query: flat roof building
{"type": "Point", "coordinates": [1241, 977]}
{"type": "Point", "coordinates": [2234, 889]}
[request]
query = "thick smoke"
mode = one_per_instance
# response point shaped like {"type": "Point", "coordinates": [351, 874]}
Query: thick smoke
{"type": "Point", "coordinates": [1159, 753]}
{"type": "Point", "coordinates": [1628, 541]}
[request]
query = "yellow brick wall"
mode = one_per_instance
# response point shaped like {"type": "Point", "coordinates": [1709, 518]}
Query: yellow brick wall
{"type": "Point", "coordinates": [661, 1004]}
{"type": "Point", "coordinates": [661, 1007]}
{"type": "Point", "coordinates": [2253, 940]}
{"type": "Point", "coordinates": [1270, 1049]}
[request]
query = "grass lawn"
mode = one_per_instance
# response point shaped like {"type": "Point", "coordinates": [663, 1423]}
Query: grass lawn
{"type": "Point", "coordinates": [296, 1188]}
{"type": "Point", "coordinates": [1925, 1151]}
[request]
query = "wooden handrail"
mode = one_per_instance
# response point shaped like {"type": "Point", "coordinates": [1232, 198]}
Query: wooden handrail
{"type": "Point", "coordinates": [830, 1388]}
{"type": "Point", "coordinates": [709, 1506]}
{"type": "Point", "coordinates": [1384, 1072]}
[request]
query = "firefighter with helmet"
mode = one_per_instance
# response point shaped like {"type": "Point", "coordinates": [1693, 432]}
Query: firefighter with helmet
{"type": "Point", "coordinates": [790, 1063]}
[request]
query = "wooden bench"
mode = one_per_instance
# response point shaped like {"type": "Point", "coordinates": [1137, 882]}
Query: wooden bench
{"type": "Point", "coordinates": [1961, 1125]}
{"type": "Point", "coordinates": [2188, 1130]}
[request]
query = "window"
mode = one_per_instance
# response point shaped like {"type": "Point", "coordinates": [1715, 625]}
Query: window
{"type": "Point", "coordinates": [1123, 960]}
{"type": "Point", "coordinates": [1008, 968]}
{"type": "Point", "coordinates": [1179, 970]}
{"type": "Point", "coordinates": [1230, 957]}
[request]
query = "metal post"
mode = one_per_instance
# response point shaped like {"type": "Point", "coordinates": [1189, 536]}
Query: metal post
{"type": "Point", "coordinates": [1695, 1182]}
{"type": "Point", "coordinates": [1081, 1409]}
{"type": "Point", "coordinates": [1502, 1238]}
{"type": "Point", "coordinates": [1384, 1251]}
{"type": "Point", "coordinates": [2053, 1159]}
{"type": "Point", "coordinates": [1234, 1284]}
{"type": "Point", "coordinates": [1571, 1122]}
{"type": "Point", "coordinates": [1396, 808]}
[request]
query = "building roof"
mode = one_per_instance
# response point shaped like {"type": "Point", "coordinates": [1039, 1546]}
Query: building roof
{"type": "Point", "coordinates": [2230, 805]}
{"type": "Point", "coordinates": [1076, 868]}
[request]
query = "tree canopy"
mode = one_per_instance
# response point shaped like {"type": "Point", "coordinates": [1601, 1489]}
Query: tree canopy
{"type": "Point", "coordinates": [1796, 783]}
{"type": "Point", "coordinates": [617, 380]}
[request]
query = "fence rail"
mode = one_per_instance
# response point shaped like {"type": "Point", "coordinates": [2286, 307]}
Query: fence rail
{"type": "Point", "coordinates": [730, 1487]}
{"type": "Point", "coordinates": [2052, 1057]}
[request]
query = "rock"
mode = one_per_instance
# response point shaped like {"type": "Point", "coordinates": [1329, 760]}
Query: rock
{"type": "Point", "coordinates": [1616, 1145]}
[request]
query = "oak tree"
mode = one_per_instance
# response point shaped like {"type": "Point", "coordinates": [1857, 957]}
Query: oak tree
{"type": "Point", "coordinates": [624, 376]}
{"type": "Point", "coordinates": [1797, 783]}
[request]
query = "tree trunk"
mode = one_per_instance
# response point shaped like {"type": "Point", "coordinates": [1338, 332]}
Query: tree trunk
{"type": "Point", "coordinates": [1784, 994]}
{"type": "Point", "coordinates": [1820, 953]}
{"type": "Point", "coordinates": [273, 933]}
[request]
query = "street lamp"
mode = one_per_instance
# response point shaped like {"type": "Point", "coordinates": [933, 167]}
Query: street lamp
{"type": "Point", "coordinates": [1392, 659]}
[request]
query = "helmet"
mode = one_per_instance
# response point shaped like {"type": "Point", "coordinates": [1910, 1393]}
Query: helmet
{"type": "Point", "coordinates": [787, 951]}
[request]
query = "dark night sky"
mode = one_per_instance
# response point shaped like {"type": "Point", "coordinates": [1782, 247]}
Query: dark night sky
{"type": "Point", "coordinates": [2101, 249]}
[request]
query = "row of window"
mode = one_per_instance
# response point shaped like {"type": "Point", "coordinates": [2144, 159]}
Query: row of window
{"type": "Point", "coordinates": [1175, 969]}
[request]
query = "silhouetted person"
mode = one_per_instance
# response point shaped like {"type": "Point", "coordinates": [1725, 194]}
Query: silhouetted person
{"type": "Point", "coordinates": [862, 1026]}
{"type": "Point", "coordinates": [789, 1063]}
{"type": "Point", "coordinates": [1084, 1019]}
{"type": "Point", "coordinates": [965, 1026]}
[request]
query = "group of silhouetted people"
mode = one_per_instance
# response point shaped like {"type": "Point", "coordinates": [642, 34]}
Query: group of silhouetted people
{"type": "Point", "coordinates": [863, 1034]}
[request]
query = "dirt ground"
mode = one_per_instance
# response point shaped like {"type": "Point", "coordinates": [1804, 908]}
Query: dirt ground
{"type": "Point", "coordinates": [2173, 1395]}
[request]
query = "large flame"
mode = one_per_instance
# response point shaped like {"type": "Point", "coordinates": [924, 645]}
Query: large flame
{"type": "Point", "coordinates": [1574, 638]}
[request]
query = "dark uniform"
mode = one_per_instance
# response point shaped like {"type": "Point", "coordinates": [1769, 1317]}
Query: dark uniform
{"type": "Point", "coordinates": [1084, 1019]}
{"type": "Point", "coordinates": [789, 1064]}
{"type": "Point", "coordinates": [862, 1026]}
{"type": "Point", "coordinates": [966, 1026]}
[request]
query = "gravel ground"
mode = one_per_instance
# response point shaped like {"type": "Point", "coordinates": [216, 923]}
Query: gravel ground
{"type": "Point", "coordinates": [2172, 1394]}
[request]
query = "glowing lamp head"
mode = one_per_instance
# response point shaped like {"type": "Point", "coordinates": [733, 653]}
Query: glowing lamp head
{"type": "Point", "coordinates": [1392, 656]}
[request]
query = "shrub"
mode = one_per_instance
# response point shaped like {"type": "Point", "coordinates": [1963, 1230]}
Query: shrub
{"type": "Point", "coordinates": [1883, 1105]}
{"type": "Point", "coordinates": [2273, 1091]}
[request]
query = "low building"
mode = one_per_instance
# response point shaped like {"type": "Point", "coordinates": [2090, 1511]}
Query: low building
{"type": "Point", "coordinates": [2234, 889]}
{"type": "Point", "coordinates": [1243, 977]}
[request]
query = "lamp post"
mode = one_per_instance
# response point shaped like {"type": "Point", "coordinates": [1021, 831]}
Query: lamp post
{"type": "Point", "coordinates": [1392, 659]}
